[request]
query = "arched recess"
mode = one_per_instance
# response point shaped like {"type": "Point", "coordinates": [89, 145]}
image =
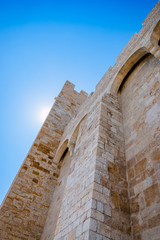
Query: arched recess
{"type": "Point", "coordinates": [155, 36]}
{"type": "Point", "coordinates": [61, 151]}
{"type": "Point", "coordinates": [72, 141]}
{"type": "Point", "coordinates": [63, 160]}
{"type": "Point", "coordinates": [68, 143]}
{"type": "Point", "coordinates": [127, 66]}
{"type": "Point", "coordinates": [139, 104]}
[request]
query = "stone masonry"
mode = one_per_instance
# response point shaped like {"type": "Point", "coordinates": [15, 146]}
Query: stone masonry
{"type": "Point", "coordinates": [93, 171]}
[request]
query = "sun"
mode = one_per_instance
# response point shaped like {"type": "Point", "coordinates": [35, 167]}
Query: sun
{"type": "Point", "coordinates": [44, 113]}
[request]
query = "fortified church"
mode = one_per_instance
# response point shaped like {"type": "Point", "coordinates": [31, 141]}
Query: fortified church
{"type": "Point", "coordinates": [93, 172]}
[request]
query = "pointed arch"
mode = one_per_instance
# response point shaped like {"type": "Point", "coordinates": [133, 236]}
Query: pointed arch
{"type": "Point", "coordinates": [127, 66]}
{"type": "Point", "coordinates": [155, 36]}
{"type": "Point", "coordinates": [72, 141]}
{"type": "Point", "coordinates": [61, 150]}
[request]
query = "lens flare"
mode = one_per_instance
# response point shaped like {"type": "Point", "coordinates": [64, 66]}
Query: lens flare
{"type": "Point", "coordinates": [44, 113]}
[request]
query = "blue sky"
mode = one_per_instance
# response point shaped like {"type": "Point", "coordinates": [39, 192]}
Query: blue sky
{"type": "Point", "coordinates": [45, 43]}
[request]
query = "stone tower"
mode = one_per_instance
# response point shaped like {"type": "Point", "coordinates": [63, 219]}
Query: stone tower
{"type": "Point", "coordinates": [93, 172]}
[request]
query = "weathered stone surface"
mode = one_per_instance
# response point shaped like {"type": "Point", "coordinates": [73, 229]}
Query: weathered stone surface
{"type": "Point", "coordinates": [141, 124]}
{"type": "Point", "coordinates": [23, 213]}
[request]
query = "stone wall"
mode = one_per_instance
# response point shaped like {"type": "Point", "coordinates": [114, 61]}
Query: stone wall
{"type": "Point", "coordinates": [24, 210]}
{"type": "Point", "coordinates": [56, 204]}
{"type": "Point", "coordinates": [140, 101]}
{"type": "Point", "coordinates": [111, 190]}
{"type": "Point", "coordinates": [95, 202]}
{"type": "Point", "coordinates": [74, 217]}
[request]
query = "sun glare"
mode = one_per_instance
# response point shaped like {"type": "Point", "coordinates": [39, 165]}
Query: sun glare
{"type": "Point", "coordinates": [43, 113]}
